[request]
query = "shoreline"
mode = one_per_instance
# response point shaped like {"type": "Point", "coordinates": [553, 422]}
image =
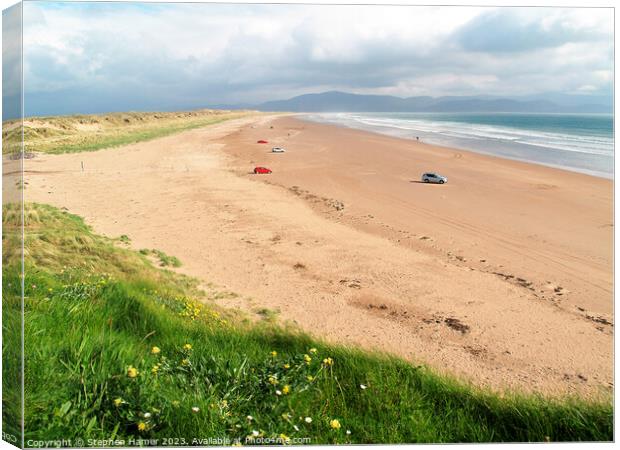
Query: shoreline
{"type": "Point", "coordinates": [463, 147]}
{"type": "Point", "coordinates": [301, 243]}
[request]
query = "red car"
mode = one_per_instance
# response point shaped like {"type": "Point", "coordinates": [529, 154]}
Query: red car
{"type": "Point", "coordinates": [261, 170]}
{"type": "Point", "coordinates": [262, 141]}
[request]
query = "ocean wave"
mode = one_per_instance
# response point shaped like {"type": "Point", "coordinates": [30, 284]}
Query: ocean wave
{"type": "Point", "coordinates": [593, 145]}
{"type": "Point", "coordinates": [590, 144]}
{"type": "Point", "coordinates": [576, 148]}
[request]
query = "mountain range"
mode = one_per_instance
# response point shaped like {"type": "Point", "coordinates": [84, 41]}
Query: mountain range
{"type": "Point", "coordinates": [335, 101]}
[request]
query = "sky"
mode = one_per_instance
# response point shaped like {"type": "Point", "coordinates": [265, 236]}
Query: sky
{"type": "Point", "coordinates": [81, 58]}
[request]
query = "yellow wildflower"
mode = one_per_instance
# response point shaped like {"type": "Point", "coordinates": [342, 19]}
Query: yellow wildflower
{"type": "Point", "coordinates": [310, 378]}
{"type": "Point", "coordinates": [274, 353]}
{"type": "Point", "coordinates": [132, 372]}
{"type": "Point", "coordinates": [155, 369]}
{"type": "Point", "coordinates": [185, 362]}
{"type": "Point", "coordinates": [335, 424]}
{"type": "Point", "coordinates": [286, 389]}
{"type": "Point", "coordinates": [273, 380]}
{"type": "Point", "coordinates": [328, 362]}
{"type": "Point", "coordinates": [141, 426]}
{"type": "Point", "coordinates": [287, 366]}
{"type": "Point", "coordinates": [312, 350]}
{"type": "Point", "coordinates": [187, 347]}
{"type": "Point", "coordinates": [155, 350]}
{"type": "Point", "coordinates": [118, 402]}
{"type": "Point", "coordinates": [307, 358]}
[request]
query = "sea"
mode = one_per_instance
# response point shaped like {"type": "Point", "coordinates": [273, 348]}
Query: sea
{"type": "Point", "coordinates": [577, 142]}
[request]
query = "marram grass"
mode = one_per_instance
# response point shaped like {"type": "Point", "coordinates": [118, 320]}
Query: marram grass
{"type": "Point", "coordinates": [119, 349]}
{"type": "Point", "coordinates": [83, 133]}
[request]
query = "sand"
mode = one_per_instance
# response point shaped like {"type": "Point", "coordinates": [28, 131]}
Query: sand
{"type": "Point", "coordinates": [501, 277]}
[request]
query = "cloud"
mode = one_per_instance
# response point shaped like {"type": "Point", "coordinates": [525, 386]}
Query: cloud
{"type": "Point", "coordinates": [95, 57]}
{"type": "Point", "coordinates": [522, 29]}
{"type": "Point", "coordinates": [11, 62]}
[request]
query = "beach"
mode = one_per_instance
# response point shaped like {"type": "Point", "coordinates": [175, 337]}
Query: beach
{"type": "Point", "coordinates": [577, 142]}
{"type": "Point", "coordinates": [502, 277]}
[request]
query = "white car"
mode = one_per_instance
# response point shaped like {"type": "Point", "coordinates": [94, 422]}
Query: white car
{"type": "Point", "coordinates": [277, 150]}
{"type": "Point", "coordinates": [430, 177]}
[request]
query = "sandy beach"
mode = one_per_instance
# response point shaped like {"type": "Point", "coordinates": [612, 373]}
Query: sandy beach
{"type": "Point", "coordinates": [503, 276]}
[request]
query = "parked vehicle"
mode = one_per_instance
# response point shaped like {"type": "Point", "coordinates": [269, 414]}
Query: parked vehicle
{"type": "Point", "coordinates": [262, 141]}
{"type": "Point", "coordinates": [430, 177]}
{"type": "Point", "coordinates": [261, 170]}
{"type": "Point", "coordinates": [277, 150]}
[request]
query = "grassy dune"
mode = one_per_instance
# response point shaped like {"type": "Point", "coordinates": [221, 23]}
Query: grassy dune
{"type": "Point", "coordinates": [67, 134]}
{"type": "Point", "coordinates": [118, 348]}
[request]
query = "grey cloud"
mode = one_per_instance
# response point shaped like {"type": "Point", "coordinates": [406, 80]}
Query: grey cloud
{"type": "Point", "coordinates": [128, 71]}
{"type": "Point", "coordinates": [11, 62]}
{"type": "Point", "coordinates": [506, 31]}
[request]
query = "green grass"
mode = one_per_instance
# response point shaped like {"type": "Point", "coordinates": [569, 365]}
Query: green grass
{"type": "Point", "coordinates": [268, 314]}
{"type": "Point", "coordinates": [95, 311]}
{"type": "Point", "coordinates": [164, 259]}
{"type": "Point", "coordinates": [129, 137]}
{"type": "Point", "coordinates": [83, 133]}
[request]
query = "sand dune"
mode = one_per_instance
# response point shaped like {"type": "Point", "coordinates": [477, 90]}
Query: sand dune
{"type": "Point", "coordinates": [502, 276]}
